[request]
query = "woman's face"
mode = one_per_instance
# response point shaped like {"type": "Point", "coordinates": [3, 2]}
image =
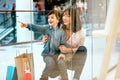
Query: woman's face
{"type": "Point", "coordinates": [66, 18]}
{"type": "Point", "coordinates": [52, 20]}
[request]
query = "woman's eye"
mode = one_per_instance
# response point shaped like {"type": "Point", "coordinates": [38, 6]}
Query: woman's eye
{"type": "Point", "coordinates": [66, 15]}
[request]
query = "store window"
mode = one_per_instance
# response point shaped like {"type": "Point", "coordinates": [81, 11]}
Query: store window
{"type": "Point", "coordinates": [85, 52]}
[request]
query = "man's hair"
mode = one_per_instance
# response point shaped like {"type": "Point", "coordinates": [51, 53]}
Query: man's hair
{"type": "Point", "coordinates": [57, 14]}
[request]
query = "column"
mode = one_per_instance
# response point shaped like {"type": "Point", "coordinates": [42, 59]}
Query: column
{"type": "Point", "coordinates": [24, 34]}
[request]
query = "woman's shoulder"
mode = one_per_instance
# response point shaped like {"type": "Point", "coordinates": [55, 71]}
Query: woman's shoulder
{"type": "Point", "coordinates": [82, 31]}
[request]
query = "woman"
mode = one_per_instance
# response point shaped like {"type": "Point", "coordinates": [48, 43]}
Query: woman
{"type": "Point", "coordinates": [75, 37]}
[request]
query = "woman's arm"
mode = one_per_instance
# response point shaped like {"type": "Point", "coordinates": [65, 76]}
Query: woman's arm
{"type": "Point", "coordinates": [64, 49]}
{"type": "Point", "coordinates": [79, 41]}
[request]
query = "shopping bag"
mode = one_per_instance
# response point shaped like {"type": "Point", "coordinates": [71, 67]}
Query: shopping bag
{"type": "Point", "coordinates": [11, 73]}
{"type": "Point", "coordinates": [24, 62]}
{"type": "Point", "coordinates": [27, 75]}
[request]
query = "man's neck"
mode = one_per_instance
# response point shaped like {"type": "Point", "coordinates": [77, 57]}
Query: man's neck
{"type": "Point", "coordinates": [54, 26]}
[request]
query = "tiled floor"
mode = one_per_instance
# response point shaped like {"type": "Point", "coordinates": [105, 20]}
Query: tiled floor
{"type": "Point", "coordinates": [95, 46]}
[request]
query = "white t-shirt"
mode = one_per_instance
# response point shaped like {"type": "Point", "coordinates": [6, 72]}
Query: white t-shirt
{"type": "Point", "coordinates": [77, 39]}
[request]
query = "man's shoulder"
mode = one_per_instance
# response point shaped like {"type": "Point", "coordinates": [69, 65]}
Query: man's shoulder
{"type": "Point", "coordinates": [60, 29]}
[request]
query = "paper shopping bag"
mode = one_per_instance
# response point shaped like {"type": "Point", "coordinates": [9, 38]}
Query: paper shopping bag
{"type": "Point", "coordinates": [24, 62]}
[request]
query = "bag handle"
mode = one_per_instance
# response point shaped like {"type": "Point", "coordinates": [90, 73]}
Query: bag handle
{"type": "Point", "coordinates": [17, 53]}
{"type": "Point", "coordinates": [26, 51]}
{"type": "Point", "coordinates": [27, 62]}
{"type": "Point", "coordinates": [27, 65]}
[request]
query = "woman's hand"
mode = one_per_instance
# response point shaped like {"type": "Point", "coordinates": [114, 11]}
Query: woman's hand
{"type": "Point", "coordinates": [63, 48]}
{"type": "Point", "coordinates": [22, 24]}
{"type": "Point", "coordinates": [61, 56]}
{"type": "Point", "coordinates": [45, 38]}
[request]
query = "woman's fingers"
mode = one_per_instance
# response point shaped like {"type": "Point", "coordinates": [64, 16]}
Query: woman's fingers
{"type": "Point", "coordinates": [45, 38]}
{"type": "Point", "coordinates": [61, 46]}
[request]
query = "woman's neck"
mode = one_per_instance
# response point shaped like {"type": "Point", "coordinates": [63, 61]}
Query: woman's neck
{"type": "Point", "coordinates": [68, 27]}
{"type": "Point", "coordinates": [67, 33]}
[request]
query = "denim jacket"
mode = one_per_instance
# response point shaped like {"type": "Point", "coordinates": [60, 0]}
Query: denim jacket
{"type": "Point", "coordinates": [56, 38]}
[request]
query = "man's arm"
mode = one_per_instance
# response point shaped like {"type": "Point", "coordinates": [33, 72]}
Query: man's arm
{"type": "Point", "coordinates": [39, 28]}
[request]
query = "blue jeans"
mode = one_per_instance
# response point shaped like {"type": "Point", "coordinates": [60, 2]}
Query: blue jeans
{"type": "Point", "coordinates": [54, 67]}
{"type": "Point", "coordinates": [78, 61]}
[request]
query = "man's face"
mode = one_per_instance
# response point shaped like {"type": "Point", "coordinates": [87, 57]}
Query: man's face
{"type": "Point", "coordinates": [52, 20]}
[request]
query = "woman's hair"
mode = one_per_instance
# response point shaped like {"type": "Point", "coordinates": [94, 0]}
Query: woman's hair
{"type": "Point", "coordinates": [76, 23]}
{"type": "Point", "coordinates": [57, 14]}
